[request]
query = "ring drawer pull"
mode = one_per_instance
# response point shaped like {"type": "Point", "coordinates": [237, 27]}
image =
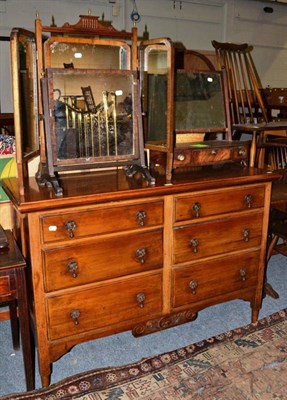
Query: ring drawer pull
{"type": "Point", "coordinates": [248, 200]}
{"type": "Point", "coordinates": [141, 216]}
{"type": "Point", "coordinates": [193, 286]}
{"type": "Point", "coordinates": [141, 254]}
{"type": "Point", "coordinates": [194, 244]}
{"type": "Point", "coordinates": [70, 226]}
{"type": "Point", "coordinates": [140, 299]}
{"type": "Point", "coordinates": [196, 209]}
{"type": "Point", "coordinates": [75, 314]}
{"type": "Point", "coordinates": [243, 273]}
{"type": "Point", "coordinates": [246, 234]}
{"type": "Point", "coordinates": [72, 268]}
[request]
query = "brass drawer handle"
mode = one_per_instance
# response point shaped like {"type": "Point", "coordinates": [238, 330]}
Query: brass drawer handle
{"type": "Point", "coordinates": [196, 209]}
{"type": "Point", "coordinates": [243, 273]}
{"type": "Point", "coordinates": [141, 254]}
{"type": "Point", "coordinates": [75, 314]}
{"type": "Point", "coordinates": [194, 244]}
{"type": "Point", "coordinates": [140, 299]}
{"type": "Point", "coordinates": [242, 151]}
{"type": "Point", "coordinates": [246, 234]}
{"type": "Point", "coordinates": [248, 200]}
{"type": "Point", "coordinates": [70, 226]}
{"type": "Point", "coordinates": [72, 268]}
{"type": "Point", "coordinates": [214, 152]}
{"type": "Point", "coordinates": [181, 157]}
{"type": "Point", "coordinates": [141, 216]}
{"type": "Point", "coordinates": [193, 286]}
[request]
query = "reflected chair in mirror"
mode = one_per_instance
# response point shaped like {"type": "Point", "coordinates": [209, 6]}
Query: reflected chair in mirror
{"type": "Point", "coordinates": [247, 106]}
{"type": "Point", "coordinates": [89, 99]}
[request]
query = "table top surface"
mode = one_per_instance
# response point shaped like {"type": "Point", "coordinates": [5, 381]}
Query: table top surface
{"type": "Point", "coordinates": [11, 257]}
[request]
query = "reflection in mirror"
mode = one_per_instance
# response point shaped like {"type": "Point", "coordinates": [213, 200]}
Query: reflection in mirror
{"type": "Point", "coordinates": [155, 91]}
{"type": "Point", "coordinates": [93, 115]}
{"type": "Point", "coordinates": [24, 75]}
{"type": "Point", "coordinates": [199, 102]}
{"type": "Point", "coordinates": [86, 55]}
{"type": "Point", "coordinates": [157, 61]}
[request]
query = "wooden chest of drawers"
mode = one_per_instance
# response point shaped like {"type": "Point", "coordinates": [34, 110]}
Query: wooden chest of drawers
{"type": "Point", "coordinates": [140, 258]}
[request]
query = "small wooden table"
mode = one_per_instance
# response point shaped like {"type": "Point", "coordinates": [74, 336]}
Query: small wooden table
{"type": "Point", "coordinates": [13, 287]}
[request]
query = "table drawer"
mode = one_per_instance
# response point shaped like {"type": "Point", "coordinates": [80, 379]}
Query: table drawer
{"type": "Point", "coordinates": [131, 300]}
{"type": "Point", "coordinates": [213, 203]}
{"type": "Point", "coordinates": [78, 224]}
{"type": "Point", "coordinates": [102, 259]}
{"type": "Point", "coordinates": [209, 279]}
{"type": "Point", "coordinates": [5, 288]}
{"type": "Point", "coordinates": [223, 235]}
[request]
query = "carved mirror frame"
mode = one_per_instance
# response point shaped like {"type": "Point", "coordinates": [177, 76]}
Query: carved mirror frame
{"type": "Point", "coordinates": [25, 100]}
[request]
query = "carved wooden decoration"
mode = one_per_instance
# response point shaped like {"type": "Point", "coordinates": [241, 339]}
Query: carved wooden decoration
{"type": "Point", "coordinates": [165, 322]}
{"type": "Point", "coordinates": [91, 25]}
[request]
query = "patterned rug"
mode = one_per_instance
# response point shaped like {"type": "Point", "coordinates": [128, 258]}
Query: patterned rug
{"type": "Point", "coordinates": [243, 364]}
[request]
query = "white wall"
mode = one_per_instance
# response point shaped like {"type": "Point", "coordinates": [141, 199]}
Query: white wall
{"type": "Point", "coordinates": [194, 23]}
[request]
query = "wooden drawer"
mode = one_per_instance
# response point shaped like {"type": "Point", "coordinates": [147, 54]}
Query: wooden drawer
{"type": "Point", "coordinates": [186, 157]}
{"type": "Point", "coordinates": [102, 259]}
{"type": "Point", "coordinates": [223, 235]}
{"type": "Point", "coordinates": [213, 203]}
{"type": "Point", "coordinates": [131, 300]}
{"type": "Point", "coordinates": [216, 154]}
{"type": "Point", "coordinates": [77, 224]}
{"type": "Point", "coordinates": [205, 280]}
{"type": "Point", "coordinates": [5, 289]}
{"type": "Point", "coordinates": [7, 283]}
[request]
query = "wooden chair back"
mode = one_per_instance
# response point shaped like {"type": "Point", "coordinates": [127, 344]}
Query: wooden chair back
{"type": "Point", "coordinates": [247, 104]}
{"type": "Point", "coordinates": [243, 82]}
{"type": "Point", "coordinates": [277, 155]}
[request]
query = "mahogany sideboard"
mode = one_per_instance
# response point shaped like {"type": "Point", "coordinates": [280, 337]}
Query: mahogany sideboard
{"type": "Point", "coordinates": [114, 254]}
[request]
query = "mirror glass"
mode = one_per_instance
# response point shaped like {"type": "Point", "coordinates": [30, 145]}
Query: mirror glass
{"type": "Point", "coordinates": [92, 115]}
{"type": "Point", "coordinates": [199, 102]}
{"type": "Point", "coordinates": [81, 53]}
{"type": "Point", "coordinates": [26, 95]}
{"type": "Point", "coordinates": [154, 91]}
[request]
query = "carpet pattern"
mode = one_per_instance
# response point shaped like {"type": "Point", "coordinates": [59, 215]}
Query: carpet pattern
{"type": "Point", "coordinates": [246, 363]}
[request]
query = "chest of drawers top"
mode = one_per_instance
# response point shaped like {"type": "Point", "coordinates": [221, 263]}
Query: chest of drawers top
{"type": "Point", "coordinates": [113, 186]}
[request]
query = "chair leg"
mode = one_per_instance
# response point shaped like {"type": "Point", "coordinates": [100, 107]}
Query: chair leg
{"type": "Point", "coordinates": [14, 321]}
{"type": "Point", "coordinates": [260, 162]}
{"type": "Point", "coordinates": [253, 148]}
{"type": "Point", "coordinates": [268, 289]}
{"type": "Point", "coordinates": [271, 246]}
